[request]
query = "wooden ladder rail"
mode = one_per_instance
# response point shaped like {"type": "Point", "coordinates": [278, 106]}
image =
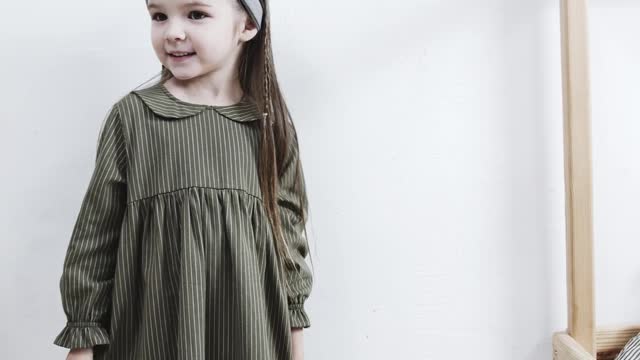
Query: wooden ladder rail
{"type": "Point", "coordinates": [578, 173]}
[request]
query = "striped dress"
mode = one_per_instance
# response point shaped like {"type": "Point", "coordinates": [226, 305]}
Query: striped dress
{"type": "Point", "coordinates": [172, 256]}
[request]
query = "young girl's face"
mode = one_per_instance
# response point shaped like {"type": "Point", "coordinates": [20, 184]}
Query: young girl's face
{"type": "Point", "coordinates": [210, 32]}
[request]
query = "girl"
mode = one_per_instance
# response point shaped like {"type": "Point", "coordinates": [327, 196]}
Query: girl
{"type": "Point", "coordinates": [191, 239]}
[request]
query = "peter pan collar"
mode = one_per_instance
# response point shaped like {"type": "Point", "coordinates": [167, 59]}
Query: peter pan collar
{"type": "Point", "coordinates": [165, 104]}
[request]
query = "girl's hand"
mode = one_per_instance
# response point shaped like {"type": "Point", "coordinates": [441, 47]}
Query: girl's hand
{"type": "Point", "coordinates": [80, 354]}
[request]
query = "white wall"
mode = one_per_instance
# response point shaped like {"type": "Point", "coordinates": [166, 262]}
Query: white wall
{"type": "Point", "coordinates": [431, 134]}
{"type": "Point", "coordinates": [615, 52]}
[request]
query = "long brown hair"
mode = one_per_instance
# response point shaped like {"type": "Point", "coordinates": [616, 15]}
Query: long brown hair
{"type": "Point", "coordinates": [258, 78]}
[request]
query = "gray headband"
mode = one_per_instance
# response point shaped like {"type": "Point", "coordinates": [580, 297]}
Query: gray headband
{"type": "Point", "coordinates": [252, 7]}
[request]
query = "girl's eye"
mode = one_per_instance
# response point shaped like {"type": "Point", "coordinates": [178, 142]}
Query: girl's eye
{"type": "Point", "coordinates": [199, 15]}
{"type": "Point", "coordinates": [194, 15]}
{"type": "Point", "coordinates": [154, 17]}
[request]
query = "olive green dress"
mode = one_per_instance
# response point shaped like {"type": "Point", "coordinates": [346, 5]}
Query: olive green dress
{"type": "Point", "coordinates": [172, 256]}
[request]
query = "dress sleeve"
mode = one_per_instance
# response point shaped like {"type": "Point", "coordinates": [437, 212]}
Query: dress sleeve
{"type": "Point", "coordinates": [298, 275]}
{"type": "Point", "coordinates": [89, 264]}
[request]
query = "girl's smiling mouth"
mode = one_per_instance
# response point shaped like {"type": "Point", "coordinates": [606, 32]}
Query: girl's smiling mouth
{"type": "Point", "coordinates": [181, 56]}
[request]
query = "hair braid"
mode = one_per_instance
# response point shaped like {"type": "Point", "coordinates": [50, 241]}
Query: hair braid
{"type": "Point", "coordinates": [268, 106]}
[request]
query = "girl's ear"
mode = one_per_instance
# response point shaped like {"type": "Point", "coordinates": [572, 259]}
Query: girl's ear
{"type": "Point", "coordinates": [248, 31]}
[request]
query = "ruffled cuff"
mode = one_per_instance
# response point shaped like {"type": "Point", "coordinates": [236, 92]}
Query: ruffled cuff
{"type": "Point", "coordinates": [82, 335]}
{"type": "Point", "coordinates": [298, 316]}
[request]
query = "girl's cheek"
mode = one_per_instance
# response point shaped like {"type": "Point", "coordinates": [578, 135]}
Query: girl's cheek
{"type": "Point", "coordinates": [156, 41]}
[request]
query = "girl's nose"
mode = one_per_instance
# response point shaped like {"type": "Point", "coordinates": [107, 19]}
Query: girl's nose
{"type": "Point", "coordinates": [175, 32]}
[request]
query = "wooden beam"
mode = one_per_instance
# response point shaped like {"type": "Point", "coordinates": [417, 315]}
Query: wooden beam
{"type": "Point", "coordinates": [578, 184]}
{"type": "Point", "coordinates": [566, 348]}
{"type": "Point", "coordinates": [615, 337]}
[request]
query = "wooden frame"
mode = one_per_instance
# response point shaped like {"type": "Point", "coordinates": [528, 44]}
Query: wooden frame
{"type": "Point", "coordinates": [581, 341]}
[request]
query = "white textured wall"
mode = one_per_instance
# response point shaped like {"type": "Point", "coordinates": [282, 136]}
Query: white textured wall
{"type": "Point", "coordinates": [431, 137]}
